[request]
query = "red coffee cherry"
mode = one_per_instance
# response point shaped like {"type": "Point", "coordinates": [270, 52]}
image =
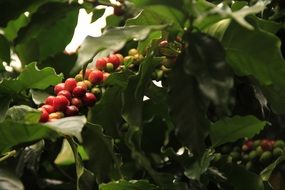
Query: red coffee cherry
{"type": "Point", "coordinates": [95, 77]}
{"type": "Point", "coordinates": [44, 115]}
{"type": "Point", "coordinates": [59, 87]}
{"type": "Point", "coordinates": [115, 60]}
{"type": "Point", "coordinates": [48, 108]}
{"type": "Point", "coordinates": [89, 99]}
{"type": "Point", "coordinates": [65, 93]}
{"type": "Point", "coordinates": [70, 84]}
{"type": "Point", "coordinates": [49, 100]}
{"type": "Point", "coordinates": [79, 91]}
{"type": "Point", "coordinates": [60, 102]}
{"type": "Point", "coordinates": [101, 63]}
{"type": "Point", "coordinates": [77, 102]}
{"type": "Point", "coordinates": [71, 110]}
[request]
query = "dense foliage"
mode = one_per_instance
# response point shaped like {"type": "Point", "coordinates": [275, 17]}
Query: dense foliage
{"type": "Point", "coordinates": [174, 95]}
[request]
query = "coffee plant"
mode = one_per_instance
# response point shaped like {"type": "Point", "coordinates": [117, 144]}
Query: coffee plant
{"type": "Point", "coordinates": [174, 95]}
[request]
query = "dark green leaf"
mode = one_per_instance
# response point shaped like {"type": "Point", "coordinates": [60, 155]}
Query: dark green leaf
{"type": "Point", "coordinates": [13, 133]}
{"type": "Point", "coordinates": [85, 179]}
{"type": "Point", "coordinates": [112, 40]}
{"type": "Point", "coordinates": [206, 61]}
{"type": "Point", "coordinates": [128, 185]}
{"type": "Point", "coordinates": [97, 13]}
{"type": "Point", "coordinates": [200, 166]}
{"type": "Point", "coordinates": [187, 110]}
{"type": "Point", "coordinates": [4, 50]}
{"type": "Point", "coordinates": [241, 179]}
{"type": "Point", "coordinates": [231, 129]}
{"type": "Point", "coordinates": [107, 112]}
{"type": "Point", "coordinates": [178, 4]}
{"type": "Point", "coordinates": [13, 27]}
{"type": "Point", "coordinates": [9, 181]}
{"type": "Point", "coordinates": [48, 33]}
{"type": "Point", "coordinates": [266, 172]}
{"type": "Point", "coordinates": [265, 64]}
{"type": "Point", "coordinates": [99, 147]}
{"type": "Point", "coordinates": [41, 79]}
{"type": "Point", "coordinates": [4, 106]}
{"type": "Point", "coordinates": [157, 15]}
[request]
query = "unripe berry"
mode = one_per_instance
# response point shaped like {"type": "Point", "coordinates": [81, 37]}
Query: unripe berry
{"type": "Point", "coordinates": [78, 77]}
{"type": "Point", "coordinates": [95, 77]}
{"type": "Point", "coordinates": [79, 91]}
{"type": "Point", "coordinates": [65, 93]}
{"type": "Point", "coordinates": [252, 155]}
{"type": "Point", "coordinates": [77, 102]}
{"type": "Point", "coordinates": [133, 52]}
{"type": "Point", "coordinates": [48, 108]}
{"type": "Point", "coordinates": [277, 152]}
{"type": "Point", "coordinates": [114, 60]}
{"type": "Point", "coordinates": [55, 116]}
{"type": "Point", "coordinates": [109, 67]}
{"type": "Point", "coordinates": [101, 63]}
{"type": "Point", "coordinates": [44, 116]}
{"type": "Point", "coordinates": [265, 157]}
{"type": "Point", "coordinates": [71, 110]}
{"type": "Point", "coordinates": [279, 143]}
{"type": "Point", "coordinates": [96, 91]}
{"type": "Point", "coordinates": [89, 99]}
{"type": "Point", "coordinates": [88, 83]}
{"type": "Point", "coordinates": [82, 84]}
{"type": "Point", "coordinates": [70, 84]}
{"type": "Point", "coordinates": [59, 87]}
{"type": "Point", "coordinates": [49, 100]}
{"type": "Point", "coordinates": [60, 102]}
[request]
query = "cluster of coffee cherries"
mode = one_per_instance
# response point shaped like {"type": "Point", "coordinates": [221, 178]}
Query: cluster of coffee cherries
{"type": "Point", "coordinates": [81, 91]}
{"type": "Point", "coordinates": [254, 154]}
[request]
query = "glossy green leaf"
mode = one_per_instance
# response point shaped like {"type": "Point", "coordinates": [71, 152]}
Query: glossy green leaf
{"type": "Point", "coordinates": [70, 126]}
{"type": "Point", "coordinates": [13, 133]}
{"type": "Point", "coordinates": [187, 110]}
{"type": "Point", "coordinates": [200, 166]}
{"type": "Point", "coordinates": [128, 185]}
{"type": "Point", "coordinates": [48, 33]}
{"type": "Point", "coordinates": [23, 113]}
{"type": "Point", "coordinates": [159, 14]}
{"type": "Point", "coordinates": [85, 178]}
{"type": "Point", "coordinates": [9, 181]}
{"type": "Point", "coordinates": [4, 50]}
{"type": "Point", "coordinates": [100, 149]}
{"type": "Point", "coordinates": [265, 64]}
{"type": "Point", "coordinates": [39, 96]}
{"type": "Point", "coordinates": [214, 76]}
{"type": "Point", "coordinates": [266, 172]}
{"type": "Point", "coordinates": [231, 129]}
{"type": "Point", "coordinates": [41, 79]}
{"type": "Point", "coordinates": [107, 112]}
{"type": "Point", "coordinates": [241, 179]}
{"type": "Point", "coordinates": [111, 40]}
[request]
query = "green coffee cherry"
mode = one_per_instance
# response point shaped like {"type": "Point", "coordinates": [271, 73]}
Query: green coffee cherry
{"type": "Point", "coordinates": [78, 77]}
{"type": "Point", "coordinates": [259, 150]}
{"type": "Point", "coordinates": [252, 155]}
{"type": "Point", "coordinates": [236, 149]}
{"type": "Point", "coordinates": [245, 157]}
{"type": "Point", "coordinates": [159, 74]}
{"type": "Point", "coordinates": [96, 91]}
{"type": "Point", "coordinates": [265, 157]}
{"type": "Point", "coordinates": [279, 143]}
{"type": "Point", "coordinates": [217, 157]}
{"type": "Point", "coordinates": [256, 143]}
{"type": "Point", "coordinates": [109, 67]}
{"type": "Point", "coordinates": [235, 156]}
{"type": "Point", "coordinates": [249, 165]}
{"type": "Point", "coordinates": [277, 152]}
